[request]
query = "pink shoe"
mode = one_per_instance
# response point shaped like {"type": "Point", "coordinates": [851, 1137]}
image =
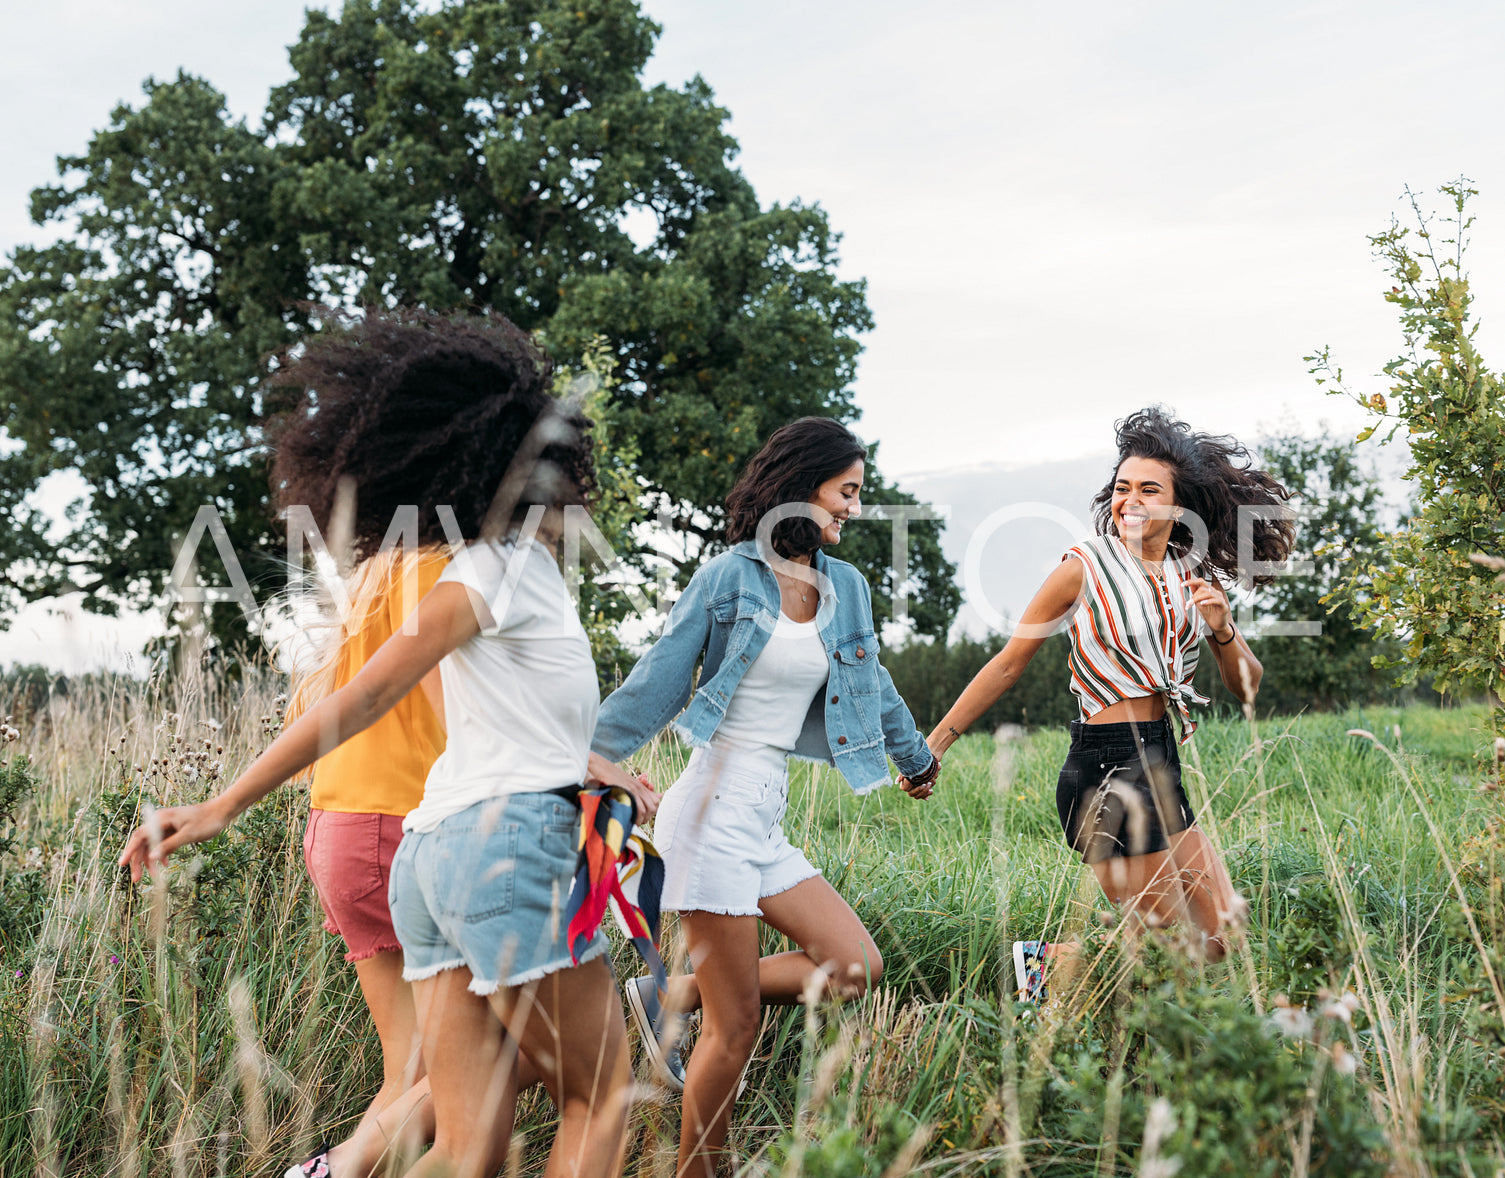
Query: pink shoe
{"type": "Point", "coordinates": [316, 1166]}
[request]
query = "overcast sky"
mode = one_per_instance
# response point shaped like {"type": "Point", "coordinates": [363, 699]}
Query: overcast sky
{"type": "Point", "coordinates": [1063, 211]}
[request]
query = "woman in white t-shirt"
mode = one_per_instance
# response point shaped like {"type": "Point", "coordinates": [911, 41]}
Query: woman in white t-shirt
{"type": "Point", "coordinates": [454, 416]}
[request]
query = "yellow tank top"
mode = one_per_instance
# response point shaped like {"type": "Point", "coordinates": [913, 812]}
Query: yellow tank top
{"type": "Point", "coordinates": [382, 770]}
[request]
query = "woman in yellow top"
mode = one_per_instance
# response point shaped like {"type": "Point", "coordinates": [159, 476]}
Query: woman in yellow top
{"type": "Point", "coordinates": [359, 796]}
{"type": "Point", "coordinates": [360, 793]}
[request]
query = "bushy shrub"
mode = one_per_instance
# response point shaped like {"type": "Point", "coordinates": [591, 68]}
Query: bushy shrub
{"type": "Point", "coordinates": [1210, 1082]}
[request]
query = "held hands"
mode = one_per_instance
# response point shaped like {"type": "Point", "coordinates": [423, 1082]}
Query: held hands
{"type": "Point", "coordinates": [922, 789]}
{"type": "Point", "coordinates": [166, 830]}
{"type": "Point", "coordinates": [1212, 602]}
{"type": "Point", "coordinates": [601, 772]}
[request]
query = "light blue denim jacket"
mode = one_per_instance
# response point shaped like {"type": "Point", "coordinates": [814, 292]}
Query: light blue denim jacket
{"type": "Point", "coordinates": [727, 611]}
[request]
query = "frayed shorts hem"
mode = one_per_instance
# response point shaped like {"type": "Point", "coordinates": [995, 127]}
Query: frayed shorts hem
{"type": "Point", "coordinates": [485, 988]}
{"type": "Point", "coordinates": [756, 910]}
{"type": "Point", "coordinates": [813, 873]}
{"type": "Point", "coordinates": [709, 911]}
{"type": "Point", "coordinates": [422, 973]}
{"type": "Point", "coordinates": [376, 951]}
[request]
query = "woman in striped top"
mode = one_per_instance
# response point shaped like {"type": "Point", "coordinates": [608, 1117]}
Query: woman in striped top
{"type": "Point", "coordinates": [1136, 599]}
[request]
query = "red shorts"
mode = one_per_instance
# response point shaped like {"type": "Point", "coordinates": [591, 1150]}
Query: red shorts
{"type": "Point", "coordinates": [349, 858]}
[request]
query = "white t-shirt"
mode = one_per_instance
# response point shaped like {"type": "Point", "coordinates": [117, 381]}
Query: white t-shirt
{"type": "Point", "coordinates": [773, 697]}
{"type": "Point", "coordinates": [520, 698]}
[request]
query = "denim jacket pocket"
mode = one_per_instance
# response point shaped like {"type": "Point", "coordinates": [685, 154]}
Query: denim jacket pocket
{"type": "Point", "coordinates": [735, 607]}
{"type": "Point", "coordinates": [858, 659]}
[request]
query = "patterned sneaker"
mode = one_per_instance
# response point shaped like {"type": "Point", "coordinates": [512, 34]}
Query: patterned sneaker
{"type": "Point", "coordinates": [316, 1166]}
{"type": "Point", "coordinates": [652, 1020]}
{"type": "Point", "coordinates": [1029, 969]}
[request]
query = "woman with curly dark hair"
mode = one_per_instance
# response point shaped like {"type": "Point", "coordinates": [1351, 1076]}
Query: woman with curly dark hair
{"type": "Point", "coordinates": [442, 432]}
{"type": "Point", "coordinates": [1137, 598]}
{"type": "Point", "coordinates": [789, 667]}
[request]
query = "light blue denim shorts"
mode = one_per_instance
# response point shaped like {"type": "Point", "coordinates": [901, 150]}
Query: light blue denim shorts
{"type": "Point", "coordinates": [486, 889]}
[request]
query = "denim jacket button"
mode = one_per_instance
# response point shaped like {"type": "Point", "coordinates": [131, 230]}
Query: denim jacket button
{"type": "Point", "coordinates": [836, 699]}
{"type": "Point", "coordinates": [841, 740]}
{"type": "Point", "coordinates": [862, 654]}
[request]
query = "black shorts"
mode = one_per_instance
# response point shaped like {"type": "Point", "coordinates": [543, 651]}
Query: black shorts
{"type": "Point", "coordinates": [1119, 793]}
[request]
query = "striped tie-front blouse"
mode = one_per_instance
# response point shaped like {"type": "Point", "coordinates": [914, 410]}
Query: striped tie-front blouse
{"type": "Point", "coordinates": [1133, 634]}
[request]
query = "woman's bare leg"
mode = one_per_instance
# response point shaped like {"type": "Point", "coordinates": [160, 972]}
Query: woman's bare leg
{"type": "Point", "coordinates": [473, 1083]}
{"type": "Point", "coordinates": [1187, 882]}
{"type": "Point", "coordinates": [832, 941]}
{"type": "Point", "coordinates": [1213, 903]}
{"type": "Point", "coordinates": [569, 1024]}
{"type": "Point", "coordinates": [400, 1117]}
{"type": "Point", "coordinates": [399, 1122]}
{"type": "Point", "coordinates": [725, 950]}
{"type": "Point", "coordinates": [831, 938]}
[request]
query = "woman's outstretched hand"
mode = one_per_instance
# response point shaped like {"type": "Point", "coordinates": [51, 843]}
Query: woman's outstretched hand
{"type": "Point", "coordinates": [601, 772]}
{"type": "Point", "coordinates": [167, 830]}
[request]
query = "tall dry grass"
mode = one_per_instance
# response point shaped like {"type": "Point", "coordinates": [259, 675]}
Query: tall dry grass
{"type": "Point", "coordinates": [205, 1025]}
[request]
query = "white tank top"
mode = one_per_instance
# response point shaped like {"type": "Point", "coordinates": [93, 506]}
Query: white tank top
{"type": "Point", "coordinates": [768, 708]}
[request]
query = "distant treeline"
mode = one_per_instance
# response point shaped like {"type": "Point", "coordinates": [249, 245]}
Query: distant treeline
{"type": "Point", "coordinates": [1299, 677]}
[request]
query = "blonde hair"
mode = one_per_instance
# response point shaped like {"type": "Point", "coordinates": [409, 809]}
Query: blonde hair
{"type": "Point", "coordinates": [323, 667]}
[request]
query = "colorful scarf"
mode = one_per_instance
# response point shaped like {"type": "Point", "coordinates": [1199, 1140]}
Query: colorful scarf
{"type": "Point", "coordinates": [617, 868]}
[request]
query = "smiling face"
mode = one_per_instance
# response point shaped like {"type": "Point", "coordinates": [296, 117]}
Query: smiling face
{"type": "Point", "coordinates": [840, 498]}
{"type": "Point", "coordinates": [1144, 505]}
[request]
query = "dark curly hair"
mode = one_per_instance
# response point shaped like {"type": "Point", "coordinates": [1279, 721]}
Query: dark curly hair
{"type": "Point", "coordinates": [790, 468]}
{"type": "Point", "coordinates": [1212, 477]}
{"type": "Point", "coordinates": [409, 407]}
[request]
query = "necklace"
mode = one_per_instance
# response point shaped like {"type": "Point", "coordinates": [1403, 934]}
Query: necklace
{"type": "Point", "coordinates": [784, 578]}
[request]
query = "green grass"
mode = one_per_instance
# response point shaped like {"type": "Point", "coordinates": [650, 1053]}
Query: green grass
{"type": "Point", "coordinates": [208, 1026]}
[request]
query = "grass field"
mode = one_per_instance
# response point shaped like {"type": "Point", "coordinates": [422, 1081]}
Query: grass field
{"type": "Point", "coordinates": [205, 1025]}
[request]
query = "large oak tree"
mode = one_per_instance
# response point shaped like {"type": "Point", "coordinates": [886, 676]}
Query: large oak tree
{"type": "Point", "coordinates": [491, 154]}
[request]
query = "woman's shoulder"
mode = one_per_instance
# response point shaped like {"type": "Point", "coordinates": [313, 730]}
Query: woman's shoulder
{"type": "Point", "coordinates": [843, 572]}
{"type": "Point", "coordinates": [728, 570]}
{"type": "Point", "coordinates": [1093, 545]}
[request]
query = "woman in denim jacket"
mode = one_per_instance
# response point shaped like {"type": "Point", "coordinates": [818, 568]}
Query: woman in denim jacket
{"type": "Point", "coordinates": [790, 666]}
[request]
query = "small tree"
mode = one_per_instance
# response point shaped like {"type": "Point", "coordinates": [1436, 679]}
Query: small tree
{"type": "Point", "coordinates": [1340, 532]}
{"type": "Point", "coordinates": [1422, 587]}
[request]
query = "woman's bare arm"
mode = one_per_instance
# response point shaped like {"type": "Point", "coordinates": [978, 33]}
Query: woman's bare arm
{"type": "Point", "coordinates": [1240, 670]}
{"type": "Point", "coordinates": [445, 618]}
{"type": "Point", "coordinates": [1051, 605]}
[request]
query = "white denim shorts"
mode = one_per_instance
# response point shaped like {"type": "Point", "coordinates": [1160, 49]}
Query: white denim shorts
{"type": "Point", "coordinates": [720, 831]}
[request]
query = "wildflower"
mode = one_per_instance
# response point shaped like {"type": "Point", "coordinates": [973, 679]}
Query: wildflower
{"type": "Point", "coordinates": [213, 725]}
{"type": "Point", "coordinates": [1345, 1062]}
{"type": "Point", "coordinates": [1342, 1007]}
{"type": "Point", "coordinates": [20, 973]}
{"type": "Point", "coordinates": [1292, 1021]}
{"type": "Point", "coordinates": [1159, 1124]}
{"type": "Point", "coordinates": [114, 960]}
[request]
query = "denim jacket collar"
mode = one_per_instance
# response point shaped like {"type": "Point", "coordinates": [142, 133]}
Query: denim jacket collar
{"type": "Point", "coordinates": [820, 563]}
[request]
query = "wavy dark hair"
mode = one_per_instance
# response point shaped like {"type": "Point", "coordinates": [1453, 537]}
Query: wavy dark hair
{"type": "Point", "coordinates": [1212, 476]}
{"type": "Point", "coordinates": [408, 407]}
{"type": "Point", "coordinates": [790, 468]}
